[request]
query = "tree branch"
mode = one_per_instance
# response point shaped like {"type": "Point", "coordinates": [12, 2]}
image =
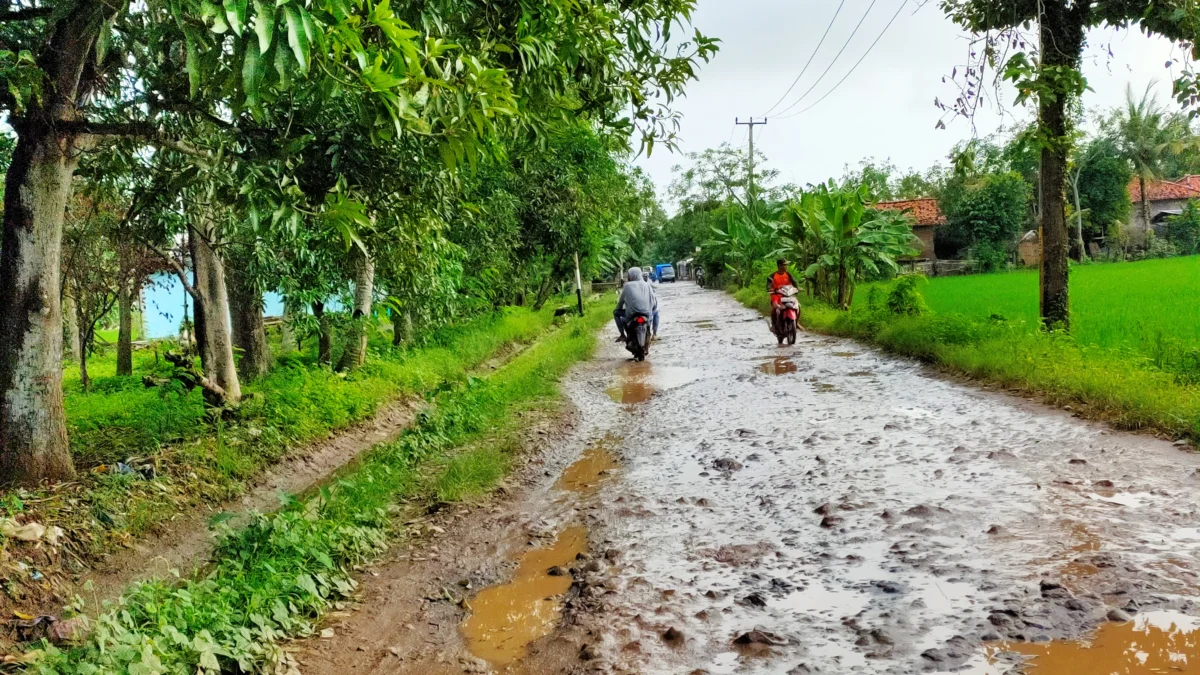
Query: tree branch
{"type": "Point", "coordinates": [143, 130]}
{"type": "Point", "coordinates": [25, 14]}
{"type": "Point", "coordinates": [176, 268]}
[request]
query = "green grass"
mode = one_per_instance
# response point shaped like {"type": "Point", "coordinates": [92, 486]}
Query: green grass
{"type": "Point", "coordinates": [200, 463]}
{"type": "Point", "coordinates": [472, 473]}
{"type": "Point", "coordinates": [1112, 381]}
{"type": "Point", "coordinates": [1150, 307]}
{"type": "Point", "coordinates": [275, 578]}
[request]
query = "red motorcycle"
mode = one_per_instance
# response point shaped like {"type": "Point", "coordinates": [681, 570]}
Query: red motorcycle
{"type": "Point", "coordinates": [787, 317]}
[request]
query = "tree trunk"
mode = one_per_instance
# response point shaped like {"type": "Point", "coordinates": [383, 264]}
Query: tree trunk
{"type": "Point", "coordinates": [355, 353]}
{"type": "Point", "coordinates": [397, 331]}
{"type": "Point", "coordinates": [843, 287]}
{"type": "Point", "coordinates": [1062, 34]}
{"type": "Point", "coordinates": [1078, 217]}
{"type": "Point", "coordinates": [85, 342]}
{"type": "Point", "coordinates": [125, 329]}
{"type": "Point", "coordinates": [249, 331]}
{"type": "Point", "coordinates": [141, 309]}
{"type": "Point", "coordinates": [544, 291]}
{"type": "Point", "coordinates": [287, 331]}
{"type": "Point", "coordinates": [212, 328]}
{"type": "Point", "coordinates": [1145, 202]}
{"type": "Point", "coordinates": [33, 431]}
{"type": "Point", "coordinates": [72, 328]}
{"type": "Point", "coordinates": [325, 334]}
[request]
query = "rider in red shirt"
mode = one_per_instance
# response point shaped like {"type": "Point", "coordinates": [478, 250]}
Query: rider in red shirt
{"type": "Point", "coordinates": [782, 277]}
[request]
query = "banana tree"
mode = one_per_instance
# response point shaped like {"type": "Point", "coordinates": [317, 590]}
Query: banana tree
{"type": "Point", "coordinates": [837, 238]}
{"type": "Point", "coordinates": [751, 234]}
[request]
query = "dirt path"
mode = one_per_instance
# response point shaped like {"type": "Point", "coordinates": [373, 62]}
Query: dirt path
{"type": "Point", "coordinates": [187, 541]}
{"type": "Point", "coordinates": [817, 508]}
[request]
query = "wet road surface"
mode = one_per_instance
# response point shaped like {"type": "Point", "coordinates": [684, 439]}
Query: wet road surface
{"type": "Point", "coordinates": [733, 507]}
{"type": "Point", "coordinates": [827, 508]}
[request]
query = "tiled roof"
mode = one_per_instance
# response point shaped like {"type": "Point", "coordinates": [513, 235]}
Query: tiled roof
{"type": "Point", "coordinates": [1187, 187]}
{"type": "Point", "coordinates": [925, 211]}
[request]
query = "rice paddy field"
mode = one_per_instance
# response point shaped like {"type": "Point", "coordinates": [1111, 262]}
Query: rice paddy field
{"type": "Point", "coordinates": [1132, 357]}
{"type": "Point", "coordinates": [1151, 307]}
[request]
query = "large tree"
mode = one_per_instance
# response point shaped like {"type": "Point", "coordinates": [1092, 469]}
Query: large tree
{"type": "Point", "coordinates": [1054, 79]}
{"type": "Point", "coordinates": [218, 82]}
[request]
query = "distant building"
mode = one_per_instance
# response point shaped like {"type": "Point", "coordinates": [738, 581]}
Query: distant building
{"type": "Point", "coordinates": [1166, 198]}
{"type": "Point", "coordinates": [1029, 249]}
{"type": "Point", "coordinates": [927, 216]}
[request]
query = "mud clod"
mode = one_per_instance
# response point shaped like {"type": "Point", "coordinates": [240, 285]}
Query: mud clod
{"type": "Point", "coordinates": [672, 636]}
{"type": "Point", "coordinates": [754, 600]}
{"type": "Point", "coordinates": [1118, 615]}
{"type": "Point", "coordinates": [727, 464]}
{"type": "Point", "coordinates": [829, 522]}
{"type": "Point", "coordinates": [759, 637]}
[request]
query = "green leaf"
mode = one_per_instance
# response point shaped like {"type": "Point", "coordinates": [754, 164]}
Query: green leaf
{"type": "Point", "coordinates": [264, 24]}
{"type": "Point", "coordinates": [193, 61]}
{"type": "Point", "coordinates": [283, 66]}
{"type": "Point", "coordinates": [297, 38]}
{"type": "Point", "coordinates": [235, 14]}
{"type": "Point", "coordinates": [252, 73]}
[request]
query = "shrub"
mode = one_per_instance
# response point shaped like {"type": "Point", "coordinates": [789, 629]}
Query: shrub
{"type": "Point", "coordinates": [904, 298]}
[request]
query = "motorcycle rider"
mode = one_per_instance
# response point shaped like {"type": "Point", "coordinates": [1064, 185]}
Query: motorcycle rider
{"type": "Point", "coordinates": [780, 278]}
{"type": "Point", "coordinates": [637, 297]}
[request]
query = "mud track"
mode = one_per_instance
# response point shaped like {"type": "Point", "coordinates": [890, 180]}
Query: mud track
{"type": "Point", "coordinates": [822, 508]}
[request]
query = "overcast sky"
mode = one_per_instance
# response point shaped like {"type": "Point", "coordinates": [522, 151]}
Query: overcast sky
{"type": "Point", "coordinates": [885, 109]}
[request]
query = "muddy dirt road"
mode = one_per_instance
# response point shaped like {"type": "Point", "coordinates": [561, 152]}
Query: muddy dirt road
{"type": "Point", "coordinates": [735, 507]}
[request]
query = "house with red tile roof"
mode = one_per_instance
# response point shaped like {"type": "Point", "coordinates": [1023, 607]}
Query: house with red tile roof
{"type": "Point", "coordinates": [927, 218]}
{"type": "Point", "coordinates": [1165, 198]}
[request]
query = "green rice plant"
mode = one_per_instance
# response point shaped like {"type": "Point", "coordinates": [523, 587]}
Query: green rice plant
{"type": "Point", "coordinates": [1132, 358]}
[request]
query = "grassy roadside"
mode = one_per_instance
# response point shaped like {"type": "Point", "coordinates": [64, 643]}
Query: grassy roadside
{"type": "Point", "coordinates": [182, 462]}
{"type": "Point", "coordinates": [1121, 387]}
{"type": "Point", "coordinates": [274, 579]}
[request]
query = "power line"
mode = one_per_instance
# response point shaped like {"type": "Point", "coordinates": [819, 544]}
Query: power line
{"type": "Point", "coordinates": [835, 59]}
{"type": "Point", "coordinates": [856, 65]}
{"type": "Point", "coordinates": [810, 59]}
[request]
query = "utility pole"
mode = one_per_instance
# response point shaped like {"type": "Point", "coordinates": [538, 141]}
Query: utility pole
{"type": "Point", "coordinates": [750, 189]}
{"type": "Point", "coordinates": [578, 285]}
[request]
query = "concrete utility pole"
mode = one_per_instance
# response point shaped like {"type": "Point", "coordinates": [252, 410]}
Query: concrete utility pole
{"type": "Point", "coordinates": [751, 124]}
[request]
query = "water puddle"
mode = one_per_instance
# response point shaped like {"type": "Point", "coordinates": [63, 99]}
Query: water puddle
{"type": "Point", "coordinates": [634, 387]}
{"type": "Point", "coordinates": [587, 471]}
{"type": "Point", "coordinates": [779, 365]}
{"type": "Point", "coordinates": [705, 325]}
{"type": "Point", "coordinates": [845, 355]}
{"type": "Point", "coordinates": [1154, 642]}
{"type": "Point", "coordinates": [640, 381]}
{"type": "Point", "coordinates": [505, 619]}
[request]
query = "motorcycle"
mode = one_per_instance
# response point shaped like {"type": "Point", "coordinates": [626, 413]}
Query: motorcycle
{"type": "Point", "coordinates": [637, 337]}
{"type": "Point", "coordinates": [788, 316]}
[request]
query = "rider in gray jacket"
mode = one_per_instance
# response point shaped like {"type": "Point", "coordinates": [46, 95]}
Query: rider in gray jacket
{"type": "Point", "coordinates": [637, 297]}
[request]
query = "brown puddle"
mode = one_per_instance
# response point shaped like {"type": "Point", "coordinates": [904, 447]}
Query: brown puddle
{"type": "Point", "coordinates": [634, 386]}
{"type": "Point", "coordinates": [780, 365]}
{"type": "Point", "coordinates": [1154, 642]}
{"type": "Point", "coordinates": [845, 354]}
{"type": "Point", "coordinates": [587, 471]}
{"type": "Point", "coordinates": [505, 619]}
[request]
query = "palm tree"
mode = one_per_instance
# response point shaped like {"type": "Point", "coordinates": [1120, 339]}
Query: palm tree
{"type": "Point", "coordinates": [1144, 138]}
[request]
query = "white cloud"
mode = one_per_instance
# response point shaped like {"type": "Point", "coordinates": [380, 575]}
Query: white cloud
{"type": "Point", "coordinates": [885, 109]}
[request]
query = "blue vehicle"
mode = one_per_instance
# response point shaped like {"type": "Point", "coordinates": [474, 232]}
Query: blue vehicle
{"type": "Point", "coordinates": [665, 273]}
